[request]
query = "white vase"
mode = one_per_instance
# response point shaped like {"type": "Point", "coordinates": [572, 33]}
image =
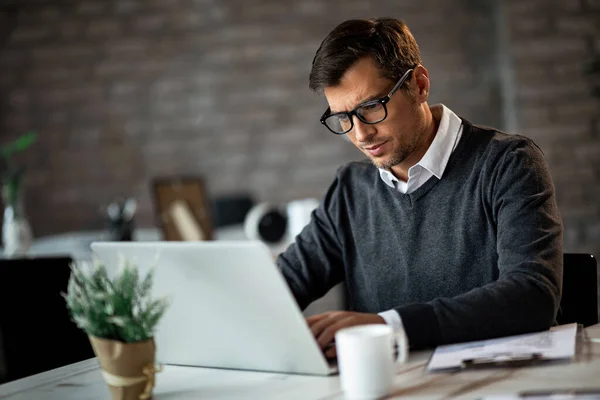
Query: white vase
{"type": "Point", "coordinates": [16, 233]}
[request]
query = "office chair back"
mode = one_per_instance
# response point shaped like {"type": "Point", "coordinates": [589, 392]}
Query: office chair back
{"type": "Point", "coordinates": [36, 333]}
{"type": "Point", "coordinates": [579, 301]}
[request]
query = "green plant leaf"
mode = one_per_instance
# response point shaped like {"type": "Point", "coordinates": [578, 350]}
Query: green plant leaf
{"type": "Point", "coordinates": [20, 144]}
{"type": "Point", "coordinates": [118, 309]}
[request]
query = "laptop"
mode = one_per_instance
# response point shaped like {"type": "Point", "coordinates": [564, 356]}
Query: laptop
{"type": "Point", "coordinates": [229, 306]}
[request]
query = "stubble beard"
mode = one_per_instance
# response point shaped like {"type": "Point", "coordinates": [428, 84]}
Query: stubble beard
{"type": "Point", "coordinates": [398, 155]}
{"type": "Point", "coordinates": [401, 153]}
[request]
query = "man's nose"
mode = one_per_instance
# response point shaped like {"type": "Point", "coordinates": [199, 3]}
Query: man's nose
{"type": "Point", "coordinates": [362, 131]}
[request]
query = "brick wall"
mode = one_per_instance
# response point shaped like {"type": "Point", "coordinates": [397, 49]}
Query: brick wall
{"type": "Point", "coordinates": [552, 43]}
{"type": "Point", "coordinates": [123, 91]}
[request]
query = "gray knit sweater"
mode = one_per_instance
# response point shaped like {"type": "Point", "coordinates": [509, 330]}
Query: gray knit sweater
{"type": "Point", "coordinates": [474, 255]}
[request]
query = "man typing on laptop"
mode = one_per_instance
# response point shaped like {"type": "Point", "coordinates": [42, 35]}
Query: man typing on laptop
{"type": "Point", "coordinates": [450, 230]}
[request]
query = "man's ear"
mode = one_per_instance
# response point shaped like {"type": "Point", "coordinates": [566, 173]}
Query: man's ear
{"type": "Point", "coordinates": [422, 84]}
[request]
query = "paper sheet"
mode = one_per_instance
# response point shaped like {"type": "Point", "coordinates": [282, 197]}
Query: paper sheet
{"type": "Point", "coordinates": [557, 343]}
{"type": "Point", "coordinates": [550, 395]}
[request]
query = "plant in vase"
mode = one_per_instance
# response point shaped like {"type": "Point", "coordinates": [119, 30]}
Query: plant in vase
{"type": "Point", "coordinates": [16, 232]}
{"type": "Point", "coordinates": [119, 317]}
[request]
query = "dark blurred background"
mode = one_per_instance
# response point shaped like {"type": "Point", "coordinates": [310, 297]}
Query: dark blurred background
{"type": "Point", "coordinates": [121, 92]}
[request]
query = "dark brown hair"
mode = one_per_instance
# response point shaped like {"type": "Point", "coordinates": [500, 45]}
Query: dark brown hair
{"type": "Point", "coordinates": [387, 40]}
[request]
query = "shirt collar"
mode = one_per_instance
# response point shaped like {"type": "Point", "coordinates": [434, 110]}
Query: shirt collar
{"type": "Point", "coordinates": [436, 158]}
{"type": "Point", "coordinates": [387, 177]}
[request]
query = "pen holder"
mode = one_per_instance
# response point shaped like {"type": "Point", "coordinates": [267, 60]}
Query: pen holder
{"type": "Point", "coordinates": [121, 230]}
{"type": "Point", "coordinates": [120, 220]}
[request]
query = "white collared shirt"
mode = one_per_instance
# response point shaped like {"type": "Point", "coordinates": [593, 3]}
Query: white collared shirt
{"type": "Point", "coordinates": [435, 159]}
{"type": "Point", "coordinates": [433, 163]}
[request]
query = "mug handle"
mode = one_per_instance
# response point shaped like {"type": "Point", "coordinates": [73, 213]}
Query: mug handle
{"type": "Point", "coordinates": [402, 346]}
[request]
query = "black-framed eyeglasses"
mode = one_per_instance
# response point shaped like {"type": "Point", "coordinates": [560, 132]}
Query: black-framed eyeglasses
{"type": "Point", "coordinates": [370, 112]}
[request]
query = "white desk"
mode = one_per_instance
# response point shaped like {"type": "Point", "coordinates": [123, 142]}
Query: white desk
{"type": "Point", "coordinates": [83, 381]}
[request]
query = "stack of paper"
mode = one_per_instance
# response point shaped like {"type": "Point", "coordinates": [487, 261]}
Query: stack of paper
{"type": "Point", "coordinates": [557, 343]}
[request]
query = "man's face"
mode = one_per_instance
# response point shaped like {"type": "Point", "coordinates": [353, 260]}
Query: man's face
{"type": "Point", "coordinates": [387, 143]}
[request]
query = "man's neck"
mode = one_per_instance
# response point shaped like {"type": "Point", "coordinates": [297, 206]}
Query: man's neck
{"type": "Point", "coordinates": [432, 122]}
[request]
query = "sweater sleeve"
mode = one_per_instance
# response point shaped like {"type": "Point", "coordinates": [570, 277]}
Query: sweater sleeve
{"type": "Point", "coordinates": [313, 263]}
{"type": "Point", "coordinates": [526, 296]}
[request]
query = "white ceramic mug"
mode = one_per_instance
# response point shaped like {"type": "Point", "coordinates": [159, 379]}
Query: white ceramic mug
{"type": "Point", "coordinates": [366, 359]}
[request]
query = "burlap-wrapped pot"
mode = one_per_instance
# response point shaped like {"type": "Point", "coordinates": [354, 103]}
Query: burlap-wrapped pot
{"type": "Point", "coordinates": [128, 368]}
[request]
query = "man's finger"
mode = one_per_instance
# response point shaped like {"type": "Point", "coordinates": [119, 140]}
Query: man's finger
{"type": "Point", "coordinates": [318, 327]}
{"type": "Point", "coordinates": [331, 352]}
{"type": "Point", "coordinates": [328, 333]}
{"type": "Point", "coordinates": [311, 320]}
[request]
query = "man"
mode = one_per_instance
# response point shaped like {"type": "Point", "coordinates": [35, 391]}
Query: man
{"type": "Point", "coordinates": [450, 231]}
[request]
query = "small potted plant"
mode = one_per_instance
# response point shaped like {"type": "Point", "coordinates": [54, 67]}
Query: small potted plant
{"type": "Point", "coordinates": [16, 232]}
{"type": "Point", "coordinates": [119, 317]}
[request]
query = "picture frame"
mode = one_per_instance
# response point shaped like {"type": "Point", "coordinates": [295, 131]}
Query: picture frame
{"type": "Point", "coordinates": [181, 208]}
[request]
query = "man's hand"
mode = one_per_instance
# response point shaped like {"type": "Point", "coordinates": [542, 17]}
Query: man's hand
{"type": "Point", "coordinates": [324, 326]}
